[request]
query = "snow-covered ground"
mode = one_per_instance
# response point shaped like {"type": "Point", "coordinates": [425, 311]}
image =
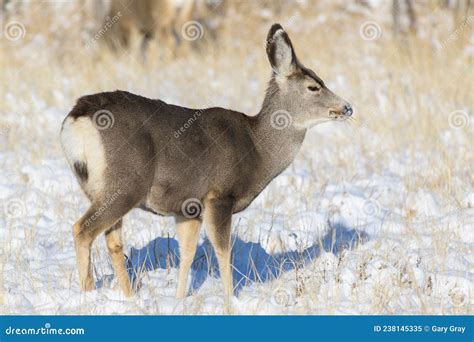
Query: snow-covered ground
{"type": "Point", "coordinates": [372, 218]}
{"type": "Point", "coordinates": [343, 248]}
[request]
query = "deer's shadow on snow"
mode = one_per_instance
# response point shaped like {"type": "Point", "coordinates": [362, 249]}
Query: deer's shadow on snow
{"type": "Point", "coordinates": [250, 262]}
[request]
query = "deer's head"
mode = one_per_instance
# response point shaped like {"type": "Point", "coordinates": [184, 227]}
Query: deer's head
{"type": "Point", "coordinates": [297, 89]}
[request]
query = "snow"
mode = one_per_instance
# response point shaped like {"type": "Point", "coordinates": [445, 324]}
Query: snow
{"type": "Point", "coordinates": [333, 252]}
{"type": "Point", "coordinates": [351, 227]}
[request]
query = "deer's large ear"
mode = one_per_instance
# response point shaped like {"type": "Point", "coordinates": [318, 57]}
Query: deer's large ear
{"type": "Point", "coordinates": [280, 51]}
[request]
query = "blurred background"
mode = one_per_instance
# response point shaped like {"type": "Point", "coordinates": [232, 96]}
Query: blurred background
{"type": "Point", "coordinates": [140, 45]}
{"type": "Point", "coordinates": [401, 175]}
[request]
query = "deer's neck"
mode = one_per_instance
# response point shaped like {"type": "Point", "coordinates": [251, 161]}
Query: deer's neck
{"type": "Point", "coordinates": [276, 140]}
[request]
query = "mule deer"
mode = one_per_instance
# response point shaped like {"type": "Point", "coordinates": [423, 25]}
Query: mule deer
{"type": "Point", "coordinates": [125, 152]}
{"type": "Point", "coordinates": [173, 22]}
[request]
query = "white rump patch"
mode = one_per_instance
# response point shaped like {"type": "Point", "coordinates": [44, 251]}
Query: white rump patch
{"type": "Point", "coordinates": [81, 142]}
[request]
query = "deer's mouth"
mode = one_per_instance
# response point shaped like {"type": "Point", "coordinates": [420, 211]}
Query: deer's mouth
{"type": "Point", "coordinates": [337, 115]}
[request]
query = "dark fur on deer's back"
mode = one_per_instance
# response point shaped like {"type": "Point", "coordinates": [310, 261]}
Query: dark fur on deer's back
{"type": "Point", "coordinates": [89, 104]}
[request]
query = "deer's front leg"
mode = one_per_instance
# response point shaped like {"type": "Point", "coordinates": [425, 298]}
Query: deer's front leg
{"type": "Point", "coordinates": [217, 219]}
{"type": "Point", "coordinates": [188, 235]}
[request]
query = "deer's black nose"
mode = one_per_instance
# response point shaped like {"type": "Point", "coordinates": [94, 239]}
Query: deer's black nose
{"type": "Point", "coordinates": [348, 110]}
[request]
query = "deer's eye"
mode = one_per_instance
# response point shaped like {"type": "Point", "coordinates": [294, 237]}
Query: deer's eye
{"type": "Point", "coordinates": [313, 88]}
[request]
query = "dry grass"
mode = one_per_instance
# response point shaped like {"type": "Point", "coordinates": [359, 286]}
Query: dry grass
{"type": "Point", "coordinates": [405, 93]}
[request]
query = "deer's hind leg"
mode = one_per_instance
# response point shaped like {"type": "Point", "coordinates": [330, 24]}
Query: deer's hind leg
{"type": "Point", "coordinates": [115, 247]}
{"type": "Point", "coordinates": [101, 216]}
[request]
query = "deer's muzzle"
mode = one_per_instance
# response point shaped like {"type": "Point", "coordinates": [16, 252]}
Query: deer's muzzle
{"type": "Point", "coordinates": [341, 112]}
